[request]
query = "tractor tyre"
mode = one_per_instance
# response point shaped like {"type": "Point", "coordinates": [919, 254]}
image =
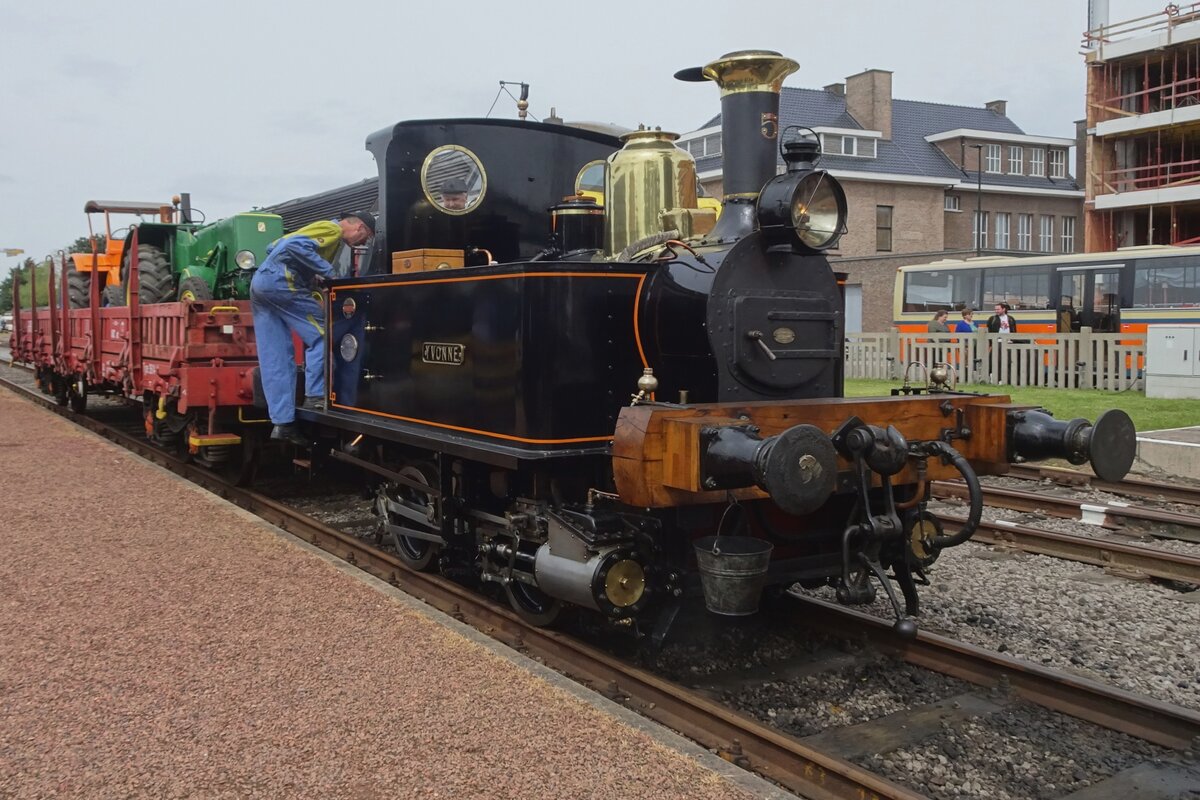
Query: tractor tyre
{"type": "Point", "coordinates": [193, 289]}
{"type": "Point", "coordinates": [156, 281]}
{"type": "Point", "coordinates": [113, 295]}
{"type": "Point", "coordinates": [79, 286]}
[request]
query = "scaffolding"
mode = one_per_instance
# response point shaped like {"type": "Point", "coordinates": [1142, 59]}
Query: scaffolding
{"type": "Point", "coordinates": [1165, 153]}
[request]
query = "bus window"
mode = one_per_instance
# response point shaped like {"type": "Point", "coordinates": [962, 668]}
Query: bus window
{"type": "Point", "coordinates": [1023, 289]}
{"type": "Point", "coordinates": [941, 290]}
{"type": "Point", "coordinates": [1166, 287]}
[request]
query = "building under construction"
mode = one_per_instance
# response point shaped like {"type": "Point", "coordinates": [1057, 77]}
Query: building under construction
{"type": "Point", "coordinates": [1142, 176]}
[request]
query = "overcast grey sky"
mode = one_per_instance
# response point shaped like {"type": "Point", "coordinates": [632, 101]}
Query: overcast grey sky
{"type": "Point", "coordinates": [244, 103]}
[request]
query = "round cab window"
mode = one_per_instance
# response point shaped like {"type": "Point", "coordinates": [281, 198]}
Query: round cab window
{"type": "Point", "coordinates": [453, 179]}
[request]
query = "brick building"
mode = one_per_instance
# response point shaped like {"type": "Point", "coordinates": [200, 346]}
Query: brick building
{"type": "Point", "coordinates": [913, 180]}
{"type": "Point", "coordinates": [1143, 127]}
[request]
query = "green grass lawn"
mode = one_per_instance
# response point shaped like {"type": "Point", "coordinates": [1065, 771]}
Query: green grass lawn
{"type": "Point", "coordinates": [1148, 414]}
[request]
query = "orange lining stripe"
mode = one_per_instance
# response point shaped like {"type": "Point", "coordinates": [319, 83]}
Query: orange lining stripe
{"type": "Point", "coordinates": [637, 331]}
{"type": "Point", "coordinates": [641, 275]}
{"type": "Point", "coordinates": [473, 430]}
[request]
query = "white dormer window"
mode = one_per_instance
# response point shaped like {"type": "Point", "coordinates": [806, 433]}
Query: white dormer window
{"type": "Point", "coordinates": [992, 158]}
{"type": "Point", "coordinates": [1037, 162]}
{"type": "Point", "coordinates": [849, 146]}
{"type": "Point", "coordinates": [1016, 155]}
{"type": "Point", "coordinates": [1058, 163]}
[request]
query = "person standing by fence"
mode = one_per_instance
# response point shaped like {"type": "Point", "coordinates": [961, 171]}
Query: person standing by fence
{"type": "Point", "coordinates": [1002, 321]}
{"type": "Point", "coordinates": [967, 323]}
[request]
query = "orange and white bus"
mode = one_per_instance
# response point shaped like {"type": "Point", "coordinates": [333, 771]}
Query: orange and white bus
{"type": "Point", "coordinates": [1115, 292]}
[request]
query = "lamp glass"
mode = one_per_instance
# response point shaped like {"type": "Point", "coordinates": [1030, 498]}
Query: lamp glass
{"type": "Point", "coordinates": [816, 210]}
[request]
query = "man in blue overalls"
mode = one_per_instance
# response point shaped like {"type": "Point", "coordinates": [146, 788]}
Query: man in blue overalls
{"type": "Point", "coordinates": [281, 297]}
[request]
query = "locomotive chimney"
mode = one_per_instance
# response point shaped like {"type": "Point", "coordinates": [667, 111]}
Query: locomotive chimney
{"type": "Point", "coordinates": [750, 82]}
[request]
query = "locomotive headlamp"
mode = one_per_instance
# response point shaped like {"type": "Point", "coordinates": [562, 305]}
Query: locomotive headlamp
{"type": "Point", "coordinates": [245, 259]}
{"type": "Point", "coordinates": [807, 205]}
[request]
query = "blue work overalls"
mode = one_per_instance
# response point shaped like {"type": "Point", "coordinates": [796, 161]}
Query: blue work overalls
{"type": "Point", "coordinates": [282, 301]}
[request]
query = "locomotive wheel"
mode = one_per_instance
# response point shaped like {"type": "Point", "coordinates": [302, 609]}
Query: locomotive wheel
{"type": "Point", "coordinates": [193, 289]}
{"type": "Point", "coordinates": [532, 604]}
{"type": "Point", "coordinates": [417, 553]}
{"type": "Point", "coordinates": [77, 394]}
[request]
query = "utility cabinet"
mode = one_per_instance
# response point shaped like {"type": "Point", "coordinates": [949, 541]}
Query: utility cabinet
{"type": "Point", "coordinates": [1172, 368]}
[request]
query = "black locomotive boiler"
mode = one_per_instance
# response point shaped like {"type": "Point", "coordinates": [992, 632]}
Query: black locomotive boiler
{"type": "Point", "coordinates": [560, 393]}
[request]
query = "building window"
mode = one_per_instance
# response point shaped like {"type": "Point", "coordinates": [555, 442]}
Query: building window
{"type": "Point", "coordinates": [1046, 234]}
{"type": "Point", "coordinates": [1058, 163]}
{"type": "Point", "coordinates": [1015, 156]}
{"type": "Point", "coordinates": [951, 203]}
{"type": "Point", "coordinates": [703, 146]}
{"type": "Point", "coordinates": [849, 146]}
{"type": "Point", "coordinates": [992, 162]}
{"type": "Point", "coordinates": [979, 229]}
{"type": "Point", "coordinates": [1002, 230]}
{"type": "Point", "coordinates": [1037, 162]}
{"type": "Point", "coordinates": [883, 229]}
{"type": "Point", "coordinates": [1068, 234]}
{"type": "Point", "coordinates": [1024, 231]}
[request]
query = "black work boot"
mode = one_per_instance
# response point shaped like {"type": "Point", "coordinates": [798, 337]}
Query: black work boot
{"type": "Point", "coordinates": [288, 432]}
{"type": "Point", "coordinates": [313, 403]}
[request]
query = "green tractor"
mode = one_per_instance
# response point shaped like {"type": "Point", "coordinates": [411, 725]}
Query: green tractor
{"type": "Point", "coordinates": [177, 259]}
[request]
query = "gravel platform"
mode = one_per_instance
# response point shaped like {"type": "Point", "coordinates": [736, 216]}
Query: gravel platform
{"type": "Point", "coordinates": [159, 642]}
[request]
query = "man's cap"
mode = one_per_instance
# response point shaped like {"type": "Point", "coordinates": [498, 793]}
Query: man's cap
{"type": "Point", "coordinates": [454, 186]}
{"type": "Point", "coordinates": [366, 217]}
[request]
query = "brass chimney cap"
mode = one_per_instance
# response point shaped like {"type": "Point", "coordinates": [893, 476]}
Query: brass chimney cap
{"type": "Point", "coordinates": [744, 71]}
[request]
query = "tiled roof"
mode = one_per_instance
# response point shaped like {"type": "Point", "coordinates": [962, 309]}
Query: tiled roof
{"type": "Point", "coordinates": [907, 153]}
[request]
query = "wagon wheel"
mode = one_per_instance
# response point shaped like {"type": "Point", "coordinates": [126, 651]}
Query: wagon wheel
{"type": "Point", "coordinates": [59, 383]}
{"type": "Point", "coordinates": [417, 553]}
{"type": "Point", "coordinates": [166, 432]}
{"type": "Point", "coordinates": [77, 393]}
{"type": "Point", "coordinates": [236, 463]}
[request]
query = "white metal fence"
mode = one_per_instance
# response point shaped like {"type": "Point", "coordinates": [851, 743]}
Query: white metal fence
{"type": "Point", "coordinates": [1085, 360]}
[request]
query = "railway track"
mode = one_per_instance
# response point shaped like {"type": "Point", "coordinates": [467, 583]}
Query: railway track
{"type": "Point", "coordinates": [1129, 487]}
{"type": "Point", "coordinates": [798, 765]}
{"type": "Point", "coordinates": [1116, 516]}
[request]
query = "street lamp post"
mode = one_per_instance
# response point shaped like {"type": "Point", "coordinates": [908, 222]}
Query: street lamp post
{"type": "Point", "coordinates": [978, 148]}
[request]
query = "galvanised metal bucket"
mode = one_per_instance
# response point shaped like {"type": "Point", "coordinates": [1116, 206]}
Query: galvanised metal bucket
{"type": "Point", "coordinates": [733, 571]}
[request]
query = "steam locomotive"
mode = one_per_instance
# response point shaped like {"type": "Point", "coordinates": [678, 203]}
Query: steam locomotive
{"type": "Point", "coordinates": [616, 402]}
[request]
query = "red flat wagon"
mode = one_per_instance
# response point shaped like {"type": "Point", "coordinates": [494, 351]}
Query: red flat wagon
{"type": "Point", "coordinates": [192, 366]}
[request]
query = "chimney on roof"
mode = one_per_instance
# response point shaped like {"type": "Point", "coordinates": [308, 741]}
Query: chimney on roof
{"type": "Point", "coordinates": [836, 88]}
{"type": "Point", "coordinates": [869, 100]}
{"type": "Point", "coordinates": [997, 106]}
